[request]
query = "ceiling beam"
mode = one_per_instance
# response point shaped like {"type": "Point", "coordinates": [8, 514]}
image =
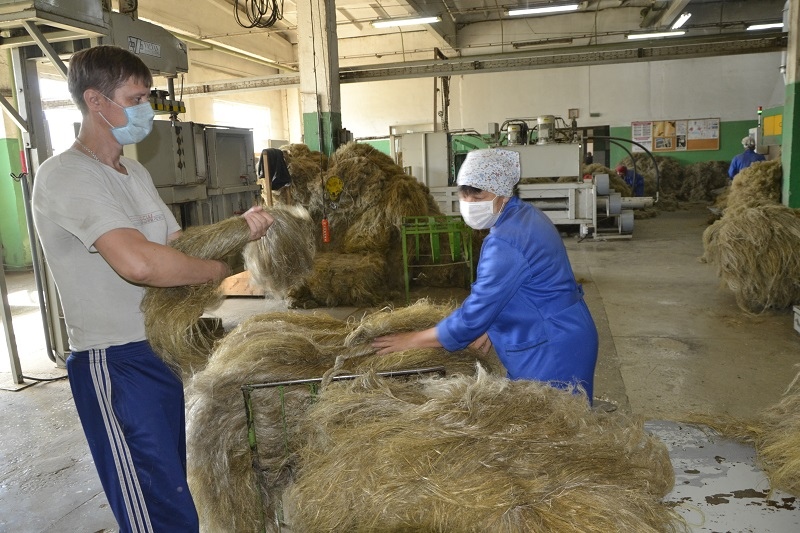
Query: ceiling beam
{"type": "Point", "coordinates": [627, 52]}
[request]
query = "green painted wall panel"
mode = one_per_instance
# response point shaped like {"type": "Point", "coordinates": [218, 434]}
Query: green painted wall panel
{"type": "Point", "coordinates": [331, 124]}
{"type": "Point", "coordinates": [13, 225]}
{"type": "Point", "coordinates": [790, 158]}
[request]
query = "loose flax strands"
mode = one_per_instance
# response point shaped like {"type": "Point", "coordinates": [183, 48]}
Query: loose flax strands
{"type": "Point", "coordinates": [268, 348]}
{"type": "Point", "coordinates": [172, 314]}
{"type": "Point", "coordinates": [757, 254]}
{"type": "Point", "coordinates": [474, 454]}
{"type": "Point", "coordinates": [278, 261]}
{"type": "Point", "coordinates": [775, 434]}
{"type": "Point", "coordinates": [276, 264]}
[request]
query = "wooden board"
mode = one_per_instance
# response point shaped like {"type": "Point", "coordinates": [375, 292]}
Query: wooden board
{"type": "Point", "coordinates": [239, 285]}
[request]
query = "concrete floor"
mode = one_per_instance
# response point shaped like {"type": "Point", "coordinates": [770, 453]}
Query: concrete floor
{"type": "Point", "coordinates": [672, 341]}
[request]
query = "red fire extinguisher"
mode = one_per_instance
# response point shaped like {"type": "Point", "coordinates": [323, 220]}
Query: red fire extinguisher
{"type": "Point", "coordinates": [326, 231]}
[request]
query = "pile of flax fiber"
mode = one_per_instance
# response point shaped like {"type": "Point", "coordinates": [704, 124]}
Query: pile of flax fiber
{"type": "Point", "coordinates": [230, 495]}
{"type": "Point", "coordinates": [474, 454]}
{"type": "Point", "coordinates": [701, 179]}
{"type": "Point", "coordinates": [277, 261]}
{"type": "Point", "coordinates": [362, 265]}
{"type": "Point", "coordinates": [755, 246]}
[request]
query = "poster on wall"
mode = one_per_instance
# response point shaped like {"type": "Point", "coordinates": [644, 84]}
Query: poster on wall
{"type": "Point", "coordinates": [663, 136]}
{"type": "Point", "coordinates": [676, 135]}
{"type": "Point", "coordinates": [680, 135]}
{"type": "Point", "coordinates": [703, 134]}
{"type": "Point", "coordinates": [642, 133]}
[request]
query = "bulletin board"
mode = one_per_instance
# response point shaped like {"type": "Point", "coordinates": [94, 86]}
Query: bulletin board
{"type": "Point", "coordinates": [676, 135]}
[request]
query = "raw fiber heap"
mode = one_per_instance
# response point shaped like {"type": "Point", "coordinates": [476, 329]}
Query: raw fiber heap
{"type": "Point", "coordinates": [700, 179]}
{"type": "Point", "coordinates": [758, 184]}
{"type": "Point", "coordinates": [670, 176]}
{"type": "Point", "coordinates": [277, 347]}
{"type": "Point", "coordinates": [278, 260]}
{"type": "Point", "coordinates": [755, 246]}
{"type": "Point", "coordinates": [756, 251]}
{"type": "Point", "coordinates": [474, 454]}
{"type": "Point", "coordinates": [364, 221]}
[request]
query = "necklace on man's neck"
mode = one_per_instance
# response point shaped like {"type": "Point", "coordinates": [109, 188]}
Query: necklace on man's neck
{"type": "Point", "coordinates": [87, 149]}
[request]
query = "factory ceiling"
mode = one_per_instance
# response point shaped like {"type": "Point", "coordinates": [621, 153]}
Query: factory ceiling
{"type": "Point", "coordinates": [226, 42]}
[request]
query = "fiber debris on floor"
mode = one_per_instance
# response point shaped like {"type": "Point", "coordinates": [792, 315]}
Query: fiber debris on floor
{"type": "Point", "coordinates": [672, 341]}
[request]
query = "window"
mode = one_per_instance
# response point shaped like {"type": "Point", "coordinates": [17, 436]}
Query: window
{"type": "Point", "coordinates": [254, 117]}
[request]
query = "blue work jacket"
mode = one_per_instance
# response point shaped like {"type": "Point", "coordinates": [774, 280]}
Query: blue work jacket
{"type": "Point", "coordinates": [526, 297]}
{"type": "Point", "coordinates": [635, 181]}
{"type": "Point", "coordinates": [744, 160]}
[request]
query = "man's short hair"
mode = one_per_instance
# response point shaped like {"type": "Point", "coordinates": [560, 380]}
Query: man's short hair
{"type": "Point", "coordinates": [104, 68]}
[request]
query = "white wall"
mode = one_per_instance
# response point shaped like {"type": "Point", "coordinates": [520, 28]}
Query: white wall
{"type": "Point", "coordinates": [729, 87]}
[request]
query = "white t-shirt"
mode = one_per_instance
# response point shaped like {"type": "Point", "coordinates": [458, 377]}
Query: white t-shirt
{"type": "Point", "coordinates": [76, 200]}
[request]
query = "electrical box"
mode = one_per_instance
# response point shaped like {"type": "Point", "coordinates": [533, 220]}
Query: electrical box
{"type": "Point", "coordinates": [553, 160]}
{"type": "Point", "coordinates": [168, 154]}
{"type": "Point", "coordinates": [229, 155]}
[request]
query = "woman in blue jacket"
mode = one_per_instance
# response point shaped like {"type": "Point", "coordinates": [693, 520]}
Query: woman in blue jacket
{"type": "Point", "coordinates": [525, 300]}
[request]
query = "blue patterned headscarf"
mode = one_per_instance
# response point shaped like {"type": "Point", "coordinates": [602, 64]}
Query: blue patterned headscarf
{"type": "Point", "coordinates": [494, 170]}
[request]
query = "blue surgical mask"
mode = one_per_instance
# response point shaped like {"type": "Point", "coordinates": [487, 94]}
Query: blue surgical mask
{"type": "Point", "coordinates": [138, 126]}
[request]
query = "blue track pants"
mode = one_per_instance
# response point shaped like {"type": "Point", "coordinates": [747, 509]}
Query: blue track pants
{"type": "Point", "coordinates": [131, 408]}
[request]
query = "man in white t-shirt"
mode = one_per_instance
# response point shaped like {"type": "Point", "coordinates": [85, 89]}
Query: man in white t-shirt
{"type": "Point", "coordinates": [104, 231]}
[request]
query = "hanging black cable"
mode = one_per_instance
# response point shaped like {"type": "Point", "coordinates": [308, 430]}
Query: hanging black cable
{"type": "Point", "coordinates": [260, 13]}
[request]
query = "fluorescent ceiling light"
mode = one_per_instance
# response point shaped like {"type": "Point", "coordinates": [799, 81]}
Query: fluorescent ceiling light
{"type": "Point", "coordinates": [542, 10]}
{"type": "Point", "coordinates": [542, 42]}
{"type": "Point", "coordinates": [655, 35]}
{"type": "Point", "coordinates": [387, 23]}
{"type": "Point", "coordinates": [765, 26]}
{"type": "Point", "coordinates": [681, 20]}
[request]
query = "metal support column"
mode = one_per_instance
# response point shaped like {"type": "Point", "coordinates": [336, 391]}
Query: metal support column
{"type": "Point", "coordinates": [318, 54]}
{"type": "Point", "coordinates": [11, 340]}
{"type": "Point", "coordinates": [36, 145]}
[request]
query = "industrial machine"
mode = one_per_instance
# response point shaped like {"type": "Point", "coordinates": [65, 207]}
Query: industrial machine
{"type": "Point", "coordinates": [552, 179]}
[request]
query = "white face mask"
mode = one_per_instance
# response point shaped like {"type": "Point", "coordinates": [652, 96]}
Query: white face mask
{"type": "Point", "coordinates": [479, 215]}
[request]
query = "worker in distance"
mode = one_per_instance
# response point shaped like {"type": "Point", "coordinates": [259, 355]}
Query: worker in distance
{"type": "Point", "coordinates": [525, 300]}
{"type": "Point", "coordinates": [746, 158]}
{"type": "Point", "coordinates": [104, 231]}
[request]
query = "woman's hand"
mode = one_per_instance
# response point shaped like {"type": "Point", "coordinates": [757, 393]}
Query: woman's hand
{"type": "Point", "coordinates": [398, 342]}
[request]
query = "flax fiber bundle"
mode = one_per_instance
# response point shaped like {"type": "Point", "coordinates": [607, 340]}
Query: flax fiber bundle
{"type": "Point", "coordinates": [700, 179]}
{"type": "Point", "coordinates": [305, 168]}
{"type": "Point", "coordinates": [275, 263]}
{"type": "Point", "coordinates": [756, 251]}
{"type": "Point", "coordinates": [172, 314]}
{"type": "Point", "coordinates": [758, 184]}
{"type": "Point", "coordinates": [278, 261]}
{"type": "Point", "coordinates": [775, 434]}
{"type": "Point", "coordinates": [474, 454]}
{"type": "Point", "coordinates": [276, 347]}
